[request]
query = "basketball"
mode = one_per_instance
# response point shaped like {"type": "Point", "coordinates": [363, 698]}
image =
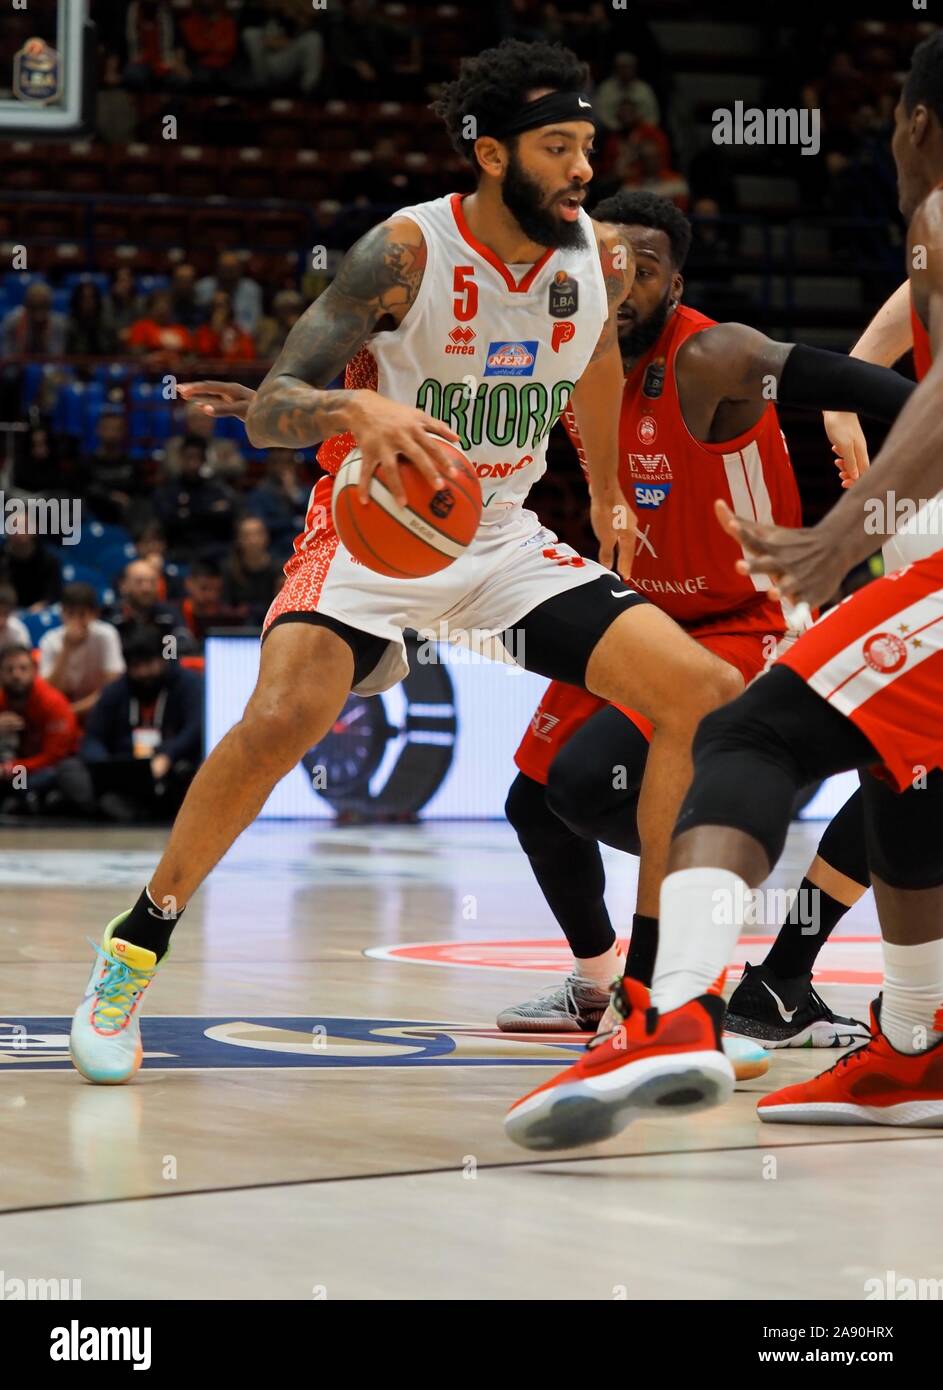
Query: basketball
{"type": "Point", "coordinates": [432, 530]}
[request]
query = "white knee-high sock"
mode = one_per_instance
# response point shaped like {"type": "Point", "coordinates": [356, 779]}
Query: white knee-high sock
{"type": "Point", "coordinates": [699, 921]}
{"type": "Point", "coordinates": [913, 995]}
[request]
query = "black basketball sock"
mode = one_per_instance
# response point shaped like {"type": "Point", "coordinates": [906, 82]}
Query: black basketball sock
{"type": "Point", "coordinates": [800, 939]}
{"type": "Point", "coordinates": [643, 948]}
{"type": "Point", "coordinates": [148, 925]}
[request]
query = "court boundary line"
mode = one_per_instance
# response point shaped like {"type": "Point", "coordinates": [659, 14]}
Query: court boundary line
{"type": "Point", "coordinates": [509, 1164]}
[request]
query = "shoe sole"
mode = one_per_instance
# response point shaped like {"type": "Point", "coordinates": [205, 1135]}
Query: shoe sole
{"type": "Point", "coordinates": [565, 1024]}
{"type": "Point", "coordinates": [814, 1035]}
{"type": "Point", "coordinates": [596, 1108]}
{"type": "Point", "coordinates": [921, 1114]}
{"type": "Point", "coordinates": [101, 1080]}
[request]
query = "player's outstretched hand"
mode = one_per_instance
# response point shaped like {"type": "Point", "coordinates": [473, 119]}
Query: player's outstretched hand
{"type": "Point", "coordinates": [387, 433]}
{"type": "Point", "coordinates": [614, 525]}
{"type": "Point", "coordinates": [218, 398]}
{"type": "Point", "coordinates": [848, 444]}
{"type": "Point", "coordinates": [804, 563]}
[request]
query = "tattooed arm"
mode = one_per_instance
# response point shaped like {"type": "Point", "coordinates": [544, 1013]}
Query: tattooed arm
{"type": "Point", "coordinates": [374, 288]}
{"type": "Point", "coordinates": [597, 405]}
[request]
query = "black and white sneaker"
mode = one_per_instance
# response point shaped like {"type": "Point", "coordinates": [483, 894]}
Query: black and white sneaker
{"type": "Point", "coordinates": [787, 1013]}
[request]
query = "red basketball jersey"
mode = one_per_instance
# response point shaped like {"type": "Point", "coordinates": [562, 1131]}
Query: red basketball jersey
{"type": "Point", "coordinates": [684, 562]}
{"type": "Point", "coordinates": [923, 357]}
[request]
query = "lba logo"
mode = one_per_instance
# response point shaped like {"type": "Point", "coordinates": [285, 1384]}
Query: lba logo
{"type": "Point", "coordinates": [511, 359]}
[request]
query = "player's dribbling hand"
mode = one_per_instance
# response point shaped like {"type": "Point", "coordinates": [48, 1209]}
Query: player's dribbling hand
{"type": "Point", "coordinates": [614, 525]}
{"type": "Point", "coordinates": [804, 563]}
{"type": "Point", "coordinates": [218, 398]}
{"type": "Point", "coordinates": [848, 444]}
{"type": "Point", "coordinates": [387, 433]}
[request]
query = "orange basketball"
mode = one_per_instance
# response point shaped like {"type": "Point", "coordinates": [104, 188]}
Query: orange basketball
{"type": "Point", "coordinates": [431, 531]}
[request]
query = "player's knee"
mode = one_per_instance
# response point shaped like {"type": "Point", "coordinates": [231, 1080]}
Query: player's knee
{"type": "Point", "coordinates": [577, 792]}
{"type": "Point", "coordinates": [535, 824]}
{"type": "Point", "coordinates": [280, 725]}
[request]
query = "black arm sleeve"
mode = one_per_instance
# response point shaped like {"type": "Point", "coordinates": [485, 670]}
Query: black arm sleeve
{"type": "Point", "coordinates": [820, 380]}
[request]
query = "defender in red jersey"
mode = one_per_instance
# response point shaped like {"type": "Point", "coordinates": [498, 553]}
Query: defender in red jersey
{"type": "Point", "coordinates": [863, 689]}
{"type": "Point", "coordinates": [696, 423]}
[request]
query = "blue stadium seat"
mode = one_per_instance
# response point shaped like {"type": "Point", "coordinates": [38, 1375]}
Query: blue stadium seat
{"type": "Point", "coordinates": [114, 373]}
{"type": "Point", "coordinates": [61, 301]}
{"type": "Point", "coordinates": [98, 539]}
{"type": "Point", "coordinates": [79, 277]}
{"type": "Point", "coordinates": [146, 284]}
{"type": "Point", "coordinates": [75, 573]}
{"type": "Point", "coordinates": [37, 624]}
{"type": "Point", "coordinates": [17, 282]}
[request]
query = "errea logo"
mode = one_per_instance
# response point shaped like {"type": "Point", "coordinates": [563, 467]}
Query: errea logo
{"type": "Point", "coordinates": [460, 341]}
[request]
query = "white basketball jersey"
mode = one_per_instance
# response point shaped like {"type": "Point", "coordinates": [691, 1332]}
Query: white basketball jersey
{"type": "Point", "coordinates": [493, 350]}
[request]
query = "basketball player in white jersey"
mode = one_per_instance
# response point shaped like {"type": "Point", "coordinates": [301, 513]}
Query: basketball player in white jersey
{"type": "Point", "coordinates": [534, 286]}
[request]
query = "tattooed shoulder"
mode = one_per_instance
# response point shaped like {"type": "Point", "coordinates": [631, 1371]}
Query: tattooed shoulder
{"type": "Point", "coordinates": [384, 269]}
{"type": "Point", "coordinates": [617, 259]}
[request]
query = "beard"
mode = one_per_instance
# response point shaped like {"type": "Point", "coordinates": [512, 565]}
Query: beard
{"type": "Point", "coordinates": [525, 200]}
{"type": "Point", "coordinates": [635, 342]}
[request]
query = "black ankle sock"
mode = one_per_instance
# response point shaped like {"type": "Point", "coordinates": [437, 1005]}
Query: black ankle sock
{"type": "Point", "coordinates": [643, 947]}
{"type": "Point", "coordinates": [149, 926]}
{"type": "Point", "coordinates": [799, 941]}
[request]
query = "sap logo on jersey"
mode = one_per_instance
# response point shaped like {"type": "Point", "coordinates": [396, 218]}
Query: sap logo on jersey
{"type": "Point", "coordinates": [651, 496]}
{"type": "Point", "coordinates": [511, 359]}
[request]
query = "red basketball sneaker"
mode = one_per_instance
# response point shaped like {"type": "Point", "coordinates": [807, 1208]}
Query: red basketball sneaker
{"type": "Point", "coordinates": [873, 1085]}
{"type": "Point", "coordinates": [668, 1064]}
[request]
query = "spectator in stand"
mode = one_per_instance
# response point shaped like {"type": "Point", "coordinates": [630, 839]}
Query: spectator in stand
{"type": "Point", "coordinates": [13, 632]}
{"type": "Point", "coordinates": [186, 309]}
{"type": "Point", "coordinates": [31, 568]}
{"type": "Point", "coordinates": [362, 49]}
{"type": "Point", "coordinates": [127, 306]}
{"type": "Point", "coordinates": [151, 546]}
{"type": "Point", "coordinates": [204, 606]}
{"type": "Point", "coordinates": [210, 39]}
{"type": "Point", "coordinates": [195, 509]}
{"type": "Point", "coordinates": [251, 577]}
{"type": "Point", "coordinates": [90, 332]}
{"type": "Point", "coordinates": [157, 331]}
{"type": "Point", "coordinates": [654, 177]}
{"type": "Point", "coordinates": [36, 470]}
{"type": "Point", "coordinates": [110, 481]}
{"type": "Point", "coordinates": [37, 730]}
{"type": "Point", "coordinates": [286, 48]}
{"type": "Point", "coordinates": [280, 500]}
{"type": "Point", "coordinates": [245, 293]}
{"type": "Point", "coordinates": [144, 738]}
{"type": "Point", "coordinates": [624, 84]}
{"type": "Point", "coordinates": [152, 53]}
{"type": "Point", "coordinates": [79, 658]}
{"type": "Point", "coordinates": [621, 154]}
{"type": "Point", "coordinates": [287, 308]}
{"type": "Point", "coordinates": [221, 336]}
{"type": "Point", "coordinates": [141, 605]}
{"type": "Point", "coordinates": [223, 459]}
{"type": "Point", "coordinates": [34, 329]}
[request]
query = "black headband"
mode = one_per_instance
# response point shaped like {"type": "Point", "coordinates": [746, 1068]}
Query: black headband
{"type": "Point", "coordinates": [555, 106]}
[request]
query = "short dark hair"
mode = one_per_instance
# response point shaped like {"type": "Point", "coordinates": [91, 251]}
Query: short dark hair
{"type": "Point", "coordinates": [204, 569]}
{"type": "Point", "coordinates": [15, 649]}
{"type": "Point", "coordinates": [80, 596]}
{"type": "Point", "coordinates": [924, 83]}
{"type": "Point", "coordinates": [493, 85]}
{"type": "Point", "coordinates": [649, 210]}
{"type": "Point", "coordinates": [142, 643]}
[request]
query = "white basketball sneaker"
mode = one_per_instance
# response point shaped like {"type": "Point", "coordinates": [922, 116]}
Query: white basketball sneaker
{"type": "Point", "coordinates": [105, 1042]}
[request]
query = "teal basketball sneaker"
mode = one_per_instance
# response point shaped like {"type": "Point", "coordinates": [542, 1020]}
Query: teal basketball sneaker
{"type": "Point", "coordinates": [105, 1042]}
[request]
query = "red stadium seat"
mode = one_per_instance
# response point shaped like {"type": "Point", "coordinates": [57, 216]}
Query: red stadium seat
{"type": "Point", "coordinates": [27, 165]}
{"type": "Point", "coordinates": [197, 172]}
{"type": "Point", "coordinates": [138, 169]}
{"type": "Point", "coordinates": [251, 173]}
{"type": "Point", "coordinates": [83, 168]}
{"type": "Point", "coordinates": [303, 175]}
